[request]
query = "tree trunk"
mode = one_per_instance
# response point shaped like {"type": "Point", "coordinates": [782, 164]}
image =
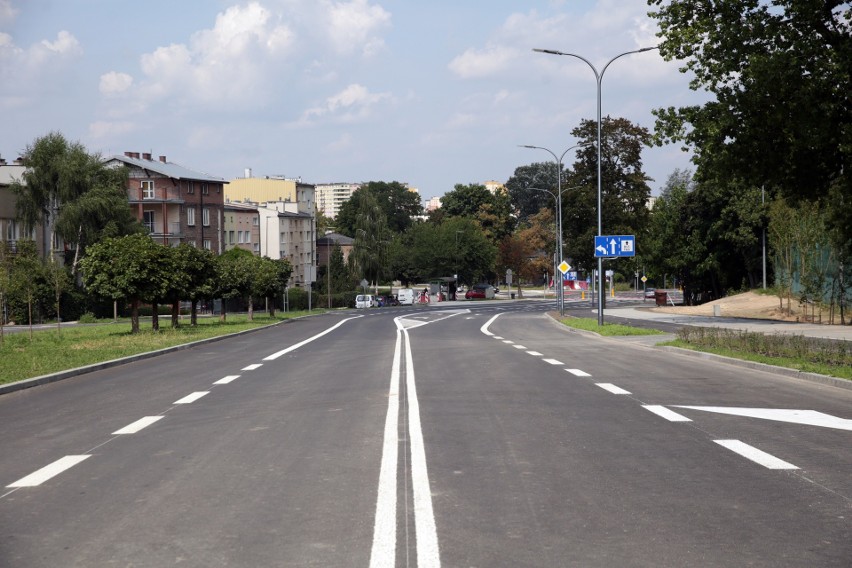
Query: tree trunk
{"type": "Point", "coordinates": [193, 315]}
{"type": "Point", "coordinates": [250, 308]}
{"type": "Point", "coordinates": [76, 253]}
{"type": "Point", "coordinates": [176, 314]}
{"type": "Point", "coordinates": [134, 315]}
{"type": "Point", "coordinates": [155, 316]}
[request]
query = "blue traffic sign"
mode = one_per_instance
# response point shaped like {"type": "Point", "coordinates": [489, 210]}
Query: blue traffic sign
{"type": "Point", "coordinates": [615, 246]}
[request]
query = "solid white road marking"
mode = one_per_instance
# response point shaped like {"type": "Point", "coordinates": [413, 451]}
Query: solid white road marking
{"type": "Point", "coordinates": [138, 425]}
{"type": "Point", "coordinates": [535, 353]}
{"type": "Point", "coordinates": [305, 342]}
{"type": "Point", "coordinates": [226, 380]}
{"type": "Point", "coordinates": [190, 398]}
{"type": "Point", "coordinates": [484, 328]}
{"type": "Point", "coordinates": [669, 415]}
{"type": "Point", "coordinates": [252, 367]}
{"type": "Point", "coordinates": [384, 528]}
{"type": "Point", "coordinates": [38, 477]}
{"type": "Point", "coordinates": [755, 455]}
{"type": "Point", "coordinates": [553, 362]}
{"type": "Point", "coordinates": [612, 388]}
{"type": "Point", "coordinates": [807, 417]}
{"type": "Point", "coordinates": [578, 372]}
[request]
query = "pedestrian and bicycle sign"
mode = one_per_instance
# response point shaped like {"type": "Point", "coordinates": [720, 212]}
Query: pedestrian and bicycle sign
{"type": "Point", "coordinates": [615, 246]}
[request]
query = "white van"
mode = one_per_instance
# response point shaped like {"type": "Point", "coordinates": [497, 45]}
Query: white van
{"type": "Point", "coordinates": [365, 301]}
{"type": "Point", "coordinates": [405, 297]}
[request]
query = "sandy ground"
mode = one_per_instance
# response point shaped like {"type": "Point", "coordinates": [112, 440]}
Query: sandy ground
{"type": "Point", "coordinates": [746, 305]}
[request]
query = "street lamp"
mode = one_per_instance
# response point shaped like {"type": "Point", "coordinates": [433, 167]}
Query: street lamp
{"type": "Point", "coordinates": [599, 78]}
{"type": "Point", "coordinates": [558, 163]}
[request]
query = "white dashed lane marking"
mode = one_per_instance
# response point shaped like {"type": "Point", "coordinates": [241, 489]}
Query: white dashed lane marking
{"type": "Point", "coordinates": [138, 425]}
{"type": "Point", "coordinates": [664, 412]}
{"type": "Point", "coordinates": [612, 388]}
{"type": "Point", "coordinates": [47, 472]}
{"type": "Point", "coordinates": [578, 373]}
{"type": "Point", "coordinates": [554, 362]}
{"type": "Point", "coordinates": [190, 398]}
{"type": "Point", "coordinates": [534, 353]}
{"type": "Point", "coordinates": [226, 380]}
{"type": "Point", "coordinates": [252, 367]}
{"type": "Point", "coordinates": [755, 455]}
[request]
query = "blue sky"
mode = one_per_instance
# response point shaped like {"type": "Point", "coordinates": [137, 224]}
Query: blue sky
{"type": "Point", "coordinates": [432, 93]}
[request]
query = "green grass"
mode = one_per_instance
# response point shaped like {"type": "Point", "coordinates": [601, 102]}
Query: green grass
{"type": "Point", "coordinates": [608, 329]}
{"type": "Point", "coordinates": [50, 351]}
{"type": "Point", "coordinates": [841, 372]}
{"type": "Point", "coordinates": [808, 354]}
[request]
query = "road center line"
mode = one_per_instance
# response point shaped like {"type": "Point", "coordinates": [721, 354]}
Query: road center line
{"type": "Point", "coordinates": [226, 380]}
{"type": "Point", "coordinates": [47, 472]}
{"type": "Point", "coordinates": [252, 367]}
{"type": "Point", "coordinates": [578, 373]}
{"type": "Point", "coordinates": [553, 361]}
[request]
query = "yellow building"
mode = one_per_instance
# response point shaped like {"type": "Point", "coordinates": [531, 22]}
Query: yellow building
{"type": "Point", "coordinates": [261, 190]}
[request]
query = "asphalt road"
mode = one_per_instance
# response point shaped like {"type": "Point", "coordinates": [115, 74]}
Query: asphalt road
{"type": "Point", "coordinates": [476, 436]}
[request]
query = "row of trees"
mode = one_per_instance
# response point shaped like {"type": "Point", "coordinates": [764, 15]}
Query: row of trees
{"type": "Point", "coordinates": [137, 269]}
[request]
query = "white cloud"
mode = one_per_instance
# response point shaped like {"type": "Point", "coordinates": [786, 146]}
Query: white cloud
{"type": "Point", "coordinates": [353, 25]}
{"type": "Point", "coordinates": [482, 62]}
{"type": "Point", "coordinates": [353, 102]}
{"type": "Point", "coordinates": [7, 12]}
{"type": "Point", "coordinates": [104, 129]}
{"type": "Point", "coordinates": [113, 83]}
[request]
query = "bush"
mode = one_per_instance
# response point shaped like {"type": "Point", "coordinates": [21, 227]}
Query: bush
{"type": "Point", "coordinates": [88, 317]}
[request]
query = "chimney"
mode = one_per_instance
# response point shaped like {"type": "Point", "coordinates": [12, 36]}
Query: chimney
{"type": "Point", "coordinates": [134, 155]}
{"type": "Point", "coordinates": [163, 159]}
{"type": "Point", "coordinates": [248, 173]}
{"type": "Point", "coordinates": [129, 154]}
{"type": "Point", "coordinates": [146, 157]}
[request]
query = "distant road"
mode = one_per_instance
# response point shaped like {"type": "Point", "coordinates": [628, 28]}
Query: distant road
{"type": "Point", "coordinates": [472, 434]}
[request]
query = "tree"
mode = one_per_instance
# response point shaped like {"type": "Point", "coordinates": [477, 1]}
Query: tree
{"type": "Point", "coordinates": [72, 194]}
{"type": "Point", "coordinates": [25, 278]}
{"type": "Point", "coordinates": [234, 271]}
{"type": "Point", "coordinates": [399, 205]}
{"type": "Point", "coordinates": [780, 72]}
{"type": "Point", "coordinates": [129, 267]}
{"type": "Point", "coordinates": [493, 211]}
{"type": "Point", "coordinates": [372, 238]}
{"type": "Point", "coordinates": [200, 267]}
{"type": "Point", "coordinates": [624, 186]}
{"type": "Point", "coordinates": [457, 246]}
{"type": "Point", "coordinates": [527, 201]}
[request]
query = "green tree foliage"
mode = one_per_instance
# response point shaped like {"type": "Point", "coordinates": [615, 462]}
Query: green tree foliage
{"type": "Point", "coordinates": [528, 201]}
{"type": "Point", "coordinates": [457, 246]}
{"type": "Point", "coordinates": [129, 267]}
{"type": "Point", "coordinates": [372, 239]}
{"type": "Point", "coordinates": [780, 72]}
{"type": "Point", "coordinates": [398, 204]}
{"type": "Point", "coordinates": [74, 193]}
{"type": "Point", "coordinates": [492, 211]}
{"type": "Point", "coordinates": [234, 272]}
{"type": "Point", "coordinates": [624, 187]}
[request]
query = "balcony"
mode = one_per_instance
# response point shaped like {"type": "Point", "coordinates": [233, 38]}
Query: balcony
{"type": "Point", "coordinates": [158, 195]}
{"type": "Point", "coordinates": [156, 230]}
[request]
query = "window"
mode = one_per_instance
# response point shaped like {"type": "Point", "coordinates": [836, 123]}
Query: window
{"type": "Point", "coordinates": [147, 189]}
{"type": "Point", "coordinates": [205, 217]}
{"type": "Point", "coordinates": [148, 220]}
{"type": "Point", "coordinates": [255, 221]}
{"type": "Point", "coordinates": [256, 247]}
{"type": "Point", "coordinates": [190, 216]}
{"type": "Point", "coordinates": [231, 237]}
{"type": "Point", "coordinates": [207, 244]}
{"type": "Point", "coordinates": [190, 187]}
{"type": "Point", "coordinates": [205, 189]}
{"type": "Point", "coordinates": [191, 243]}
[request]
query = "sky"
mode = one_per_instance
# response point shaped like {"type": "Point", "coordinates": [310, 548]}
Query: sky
{"type": "Point", "coordinates": [431, 93]}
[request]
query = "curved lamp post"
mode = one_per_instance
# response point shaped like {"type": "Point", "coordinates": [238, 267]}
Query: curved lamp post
{"type": "Point", "coordinates": [599, 78]}
{"type": "Point", "coordinates": [558, 163]}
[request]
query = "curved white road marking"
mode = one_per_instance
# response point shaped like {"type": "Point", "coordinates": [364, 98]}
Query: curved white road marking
{"type": "Point", "coordinates": [278, 354]}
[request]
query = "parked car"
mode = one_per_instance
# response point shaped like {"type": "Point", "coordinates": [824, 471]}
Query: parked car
{"type": "Point", "coordinates": [406, 296]}
{"type": "Point", "coordinates": [649, 292]}
{"type": "Point", "coordinates": [480, 292]}
{"type": "Point", "coordinates": [365, 301]}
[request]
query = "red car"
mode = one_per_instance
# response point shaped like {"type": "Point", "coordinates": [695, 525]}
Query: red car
{"type": "Point", "coordinates": [480, 292]}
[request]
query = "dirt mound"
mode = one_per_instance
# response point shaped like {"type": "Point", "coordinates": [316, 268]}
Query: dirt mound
{"type": "Point", "coordinates": [745, 305]}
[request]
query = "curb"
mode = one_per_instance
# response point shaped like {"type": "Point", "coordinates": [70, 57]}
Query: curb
{"type": "Point", "coordinates": [773, 369]}
{"type": "Point", "coordinates": [67, 374]}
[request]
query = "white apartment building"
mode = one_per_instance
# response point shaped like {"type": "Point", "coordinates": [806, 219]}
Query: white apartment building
{"type": "Point", "coordinates": [288, 231]}
{"type": "Point", "coordinates": [330, 196]}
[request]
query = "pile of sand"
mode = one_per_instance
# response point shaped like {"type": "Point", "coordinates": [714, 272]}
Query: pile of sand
{"type": "Point", "coordinates": [746, 305]}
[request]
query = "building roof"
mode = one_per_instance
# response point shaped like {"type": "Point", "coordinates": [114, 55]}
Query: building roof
{"type": "Point", "coordinates": [168, 169]}
{"type": "Point", "coordinates": [335, 238]}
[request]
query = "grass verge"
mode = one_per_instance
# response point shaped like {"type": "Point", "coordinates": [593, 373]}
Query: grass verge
{"type": "Point", "coordinates": [608, 329]}
{"type": "Point", "coordinates": [51, 351]}
{"type": "Point", "coordinates": [813, 355]}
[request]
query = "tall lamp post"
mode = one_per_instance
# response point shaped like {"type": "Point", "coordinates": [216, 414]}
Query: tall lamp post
{"type": "Point", "coordinates": [558, 163]}
{"type": "Point", "coordinates": [599, 78]}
